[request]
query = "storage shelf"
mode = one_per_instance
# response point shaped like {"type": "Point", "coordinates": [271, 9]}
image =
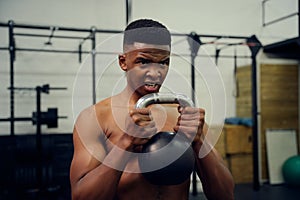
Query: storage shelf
{"type": "Point", "coordinates": [285, 49]}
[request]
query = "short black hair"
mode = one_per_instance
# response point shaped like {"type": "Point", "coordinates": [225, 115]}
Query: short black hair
{"type": "Point", "coordinates": [147, 31]}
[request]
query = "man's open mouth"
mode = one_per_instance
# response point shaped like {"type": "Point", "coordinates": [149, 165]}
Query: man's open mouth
{"type": "Point", "coordinates": [151, 86]}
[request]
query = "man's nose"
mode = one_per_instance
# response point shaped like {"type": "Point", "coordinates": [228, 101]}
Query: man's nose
{"type": "Point", "coordinates": [153, 70]}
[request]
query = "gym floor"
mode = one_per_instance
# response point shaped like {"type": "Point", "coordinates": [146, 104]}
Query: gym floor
{"type": "Point", "coordinates": [266, 192]}
{"type": "Point", "coordinates": [242, 192]}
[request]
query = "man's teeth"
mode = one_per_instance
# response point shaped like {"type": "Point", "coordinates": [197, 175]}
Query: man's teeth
{"type": "Point", "coordinates": [151, 84]}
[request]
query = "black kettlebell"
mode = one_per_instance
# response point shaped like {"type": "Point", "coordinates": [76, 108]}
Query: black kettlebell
{"type": "Point", "coordinates": [167, 158]}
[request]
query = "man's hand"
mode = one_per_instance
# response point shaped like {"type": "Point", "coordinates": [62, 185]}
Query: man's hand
{"type": "Point", "coordinates": [139, 128]}
{"type": "Point", "coordinates": [191, 122]}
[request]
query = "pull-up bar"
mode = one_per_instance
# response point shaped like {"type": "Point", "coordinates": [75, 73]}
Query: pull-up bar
{"type": "Point", "coordinates": [62, 28]}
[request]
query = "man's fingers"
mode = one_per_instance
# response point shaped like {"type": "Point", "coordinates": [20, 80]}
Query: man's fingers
{"type": "Point", "coordinates": [190, 110]}
{"type": "Point", "coordinates": [140, 116]}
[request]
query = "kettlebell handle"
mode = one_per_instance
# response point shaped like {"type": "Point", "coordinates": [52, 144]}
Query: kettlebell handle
{"type": "Point", "coordinates": [164, 98]}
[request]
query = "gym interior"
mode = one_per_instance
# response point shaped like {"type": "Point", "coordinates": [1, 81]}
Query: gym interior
{"type": "Point", "coordinates": [58, 57]}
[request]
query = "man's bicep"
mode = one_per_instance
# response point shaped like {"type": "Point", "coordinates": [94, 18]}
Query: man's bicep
{"type": "Point", "coordinates": [90, 134]}
{"type": "Point", "coordinates": [89, 144]}
{"type": "Point", "coordinates": [83, 160]}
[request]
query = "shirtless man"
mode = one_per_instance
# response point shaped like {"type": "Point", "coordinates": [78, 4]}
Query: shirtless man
{"type": "Point", "coordinates": [107, 134]}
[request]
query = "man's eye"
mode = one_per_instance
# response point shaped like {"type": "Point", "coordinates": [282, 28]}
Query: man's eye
{"type": "Point", "coordinates": [143, 61]}
{"type": "Point", "coordinates": [165, 62]}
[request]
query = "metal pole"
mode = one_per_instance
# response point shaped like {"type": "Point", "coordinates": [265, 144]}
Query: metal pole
{"type": "Point", "coordinates": [12, 59]}
{"type": "Point", "coordinates": [39, 169]}
{"type": "Point", "coordinates": [298, 18]}
{"type": "Point", "coordinates": [47, 36]}
{"type": "Point", "coordinates": [193, 77]}
{"type": "Point", "coordinates": [128, 11]}
{"type": "Point", "coordinates": [194, 43]}
{"type": "Point", "coordinates": [60, 28]}
{"type": "Point", "coordinates": [93, 38]}
{"type": "Point", "coordinates": [255, 147]}
{"type": "Point", "coordinates": [113, 31]}
{"type": "Point", "coordinates": [263, 13]}
{"type": "Point", "coordinates": [194, 180]}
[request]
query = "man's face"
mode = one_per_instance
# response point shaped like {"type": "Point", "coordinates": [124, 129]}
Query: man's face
{"type": "Point", "coordinates": [146, 66]}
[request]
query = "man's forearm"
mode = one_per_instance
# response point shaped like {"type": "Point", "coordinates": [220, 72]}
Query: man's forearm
{"type": "Point", "coordinates": [102, 181]}
{"type": "Point", "coordinates": [216, 179]}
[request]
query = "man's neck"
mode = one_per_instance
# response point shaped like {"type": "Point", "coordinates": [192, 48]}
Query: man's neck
{"type": "Point", "coordinates": [129, 96]}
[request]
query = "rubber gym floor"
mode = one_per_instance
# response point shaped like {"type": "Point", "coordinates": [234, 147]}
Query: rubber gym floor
{"type": "Point", "coordinates": [266, 192]}
{"type": "Point", "coordinates": [242, 192]}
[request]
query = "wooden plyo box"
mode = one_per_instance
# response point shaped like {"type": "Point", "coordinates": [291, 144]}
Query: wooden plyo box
{"type": "Point", "coordinates": [241, 167]}
{"type": "Point", "coordinates": [238, 139]}
{"type": "Point", "coordinates": [220, 143]}
{"type": "Point", "coordinates": [235, 146]}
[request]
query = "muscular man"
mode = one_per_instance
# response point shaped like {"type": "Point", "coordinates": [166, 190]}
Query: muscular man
{"type": "Point", "coordinates": [108, 135]}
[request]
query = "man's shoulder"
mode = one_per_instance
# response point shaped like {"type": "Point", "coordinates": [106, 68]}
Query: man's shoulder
{"type": "Point", "coordinates": [104, 102]}
{"type": "Point", "coordinates": [94, 111]}
{"type": "Point", "coordinates": [103, 105]}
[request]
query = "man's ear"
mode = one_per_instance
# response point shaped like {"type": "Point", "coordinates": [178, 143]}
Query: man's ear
{"type": "Point", "coordinates": [122, 62]}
